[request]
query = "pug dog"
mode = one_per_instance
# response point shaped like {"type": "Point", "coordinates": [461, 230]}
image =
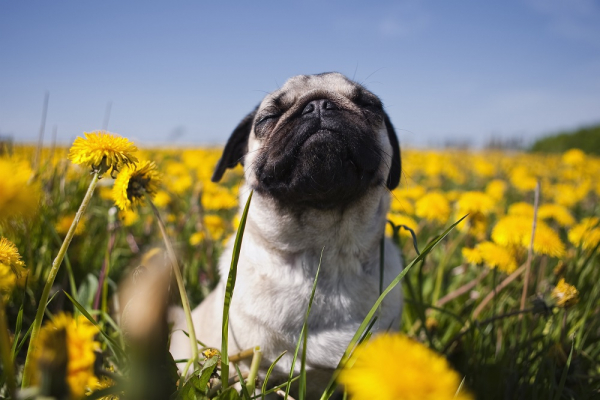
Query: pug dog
{"type": "Point", "coordinates": [321, 156]}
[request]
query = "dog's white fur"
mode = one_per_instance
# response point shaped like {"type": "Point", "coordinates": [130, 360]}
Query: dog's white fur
{"type": "Point", "coordinates": [278, 262]}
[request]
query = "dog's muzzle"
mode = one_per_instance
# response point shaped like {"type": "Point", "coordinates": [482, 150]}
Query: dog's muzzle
{"type": "Point", "coordinates": [324, 157]}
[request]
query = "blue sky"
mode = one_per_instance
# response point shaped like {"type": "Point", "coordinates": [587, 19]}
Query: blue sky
{"type": "Point", "coordinates": [185, 72]}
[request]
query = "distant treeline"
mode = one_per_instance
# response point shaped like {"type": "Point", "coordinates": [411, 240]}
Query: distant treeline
{"type": "Point", "coordinates": [586, 139]}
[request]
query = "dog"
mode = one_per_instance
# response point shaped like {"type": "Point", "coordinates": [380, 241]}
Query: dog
{"type": "Point", "coordinates": [321, 157]}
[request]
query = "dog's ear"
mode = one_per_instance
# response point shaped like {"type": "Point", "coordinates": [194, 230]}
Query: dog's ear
{"type": "Point", "coordinates": [236, 147]}
{"type": "Point", "coordinates": [396, 167]}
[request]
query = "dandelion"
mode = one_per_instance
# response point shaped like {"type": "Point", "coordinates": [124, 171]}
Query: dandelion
{"type": "Point", "coordinates": [565, 295]}
{"type": "Point", "coordinates": [210, 353]}
{"type": "Point", "coordinates": [78, 336]}
{"type": "Point", "coordinates": [515, 230]}
{"type": "Point", "coordinates": [395, 367]}
{"type": "Point", "coordinates": [402, 205]}
{"type": "Point", "coordinates": [7, 279]}
{"type": "Point", "coordinates": [521, 209]}
{"type": "Point", "coordinates": [216, 197]}
{"type": "Point", "coordinates": [178, 178]}
{"type": "Point", "coordinates": [521, 178]}
{"type": "Point", "coordinates": [573, 157]}
{"type": "Point", "coordinates": [399, 219]}
{"type": "Point", "coordinates": [18, 197]}
{"type": "Point", "coordinates": [65, 222]}
{"type": "Point", "coordinates": [414, 192]}
{"type": "Point", "coordinates": [103, 383]}
{"type": "Point", "coordinates": [12, 268]}
{"type": "Point", "coordinates": [102, 152]}
{"type": "Point", "coordinates": [162, 199]}
{"type": "Point", "coordinates": [492, 255]}
{"type": "Point", "coordinates": [496, 189]}
{"type": "Point", "coordinates": [483, 168]}
{"type": "Point", "coordinates": [215, 226]}
{"type": "Point", "coordinates": [433, 207]}
{"type": "Point", "coordinates": [556, 212]}
{"type": "Point", "coordinates": [569, 195]}
{"type": "Point", "coordinates": [475, 202]}
{"type": "Point", "coordinates": [586, 234]}
{"type": "Point", "coordinates": [128, 217]}
{"type": "Point", "coordinates": [133, 183]}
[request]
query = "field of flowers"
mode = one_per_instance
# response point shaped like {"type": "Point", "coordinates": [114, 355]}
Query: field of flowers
{"type": "Point", "coordinates": [506, 306]}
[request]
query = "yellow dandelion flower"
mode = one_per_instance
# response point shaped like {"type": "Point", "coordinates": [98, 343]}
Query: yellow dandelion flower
{"type": "Point", "coordinates": [103, 383]}
{"type": "Point", "coordinates": [475, 202]}
{"type": "Point", "coordinates": [556, 212]}
{"type": "Point", "coordinates": [210, 353]}
{"type": "Point", "coordinates": [573, 157]}
{"type": "Point", "coordinates": [162, 199]}
{"type": "Point", "coordinates": [105, 192]}
{"type": "Point", "coordinates": [521, 178]}
{"type": "Point", "coordinates": [568, 195]}
{"type": "Point", "coordinates": [197, 238]}
{"type": "Point", "coordinates": [395, 367]}
{"type": "Point", "coordinates": [7, 280]}
{"type": "Point", "coordinates": [128, 217]}
{"type": "Point", "coordinates": [64, 223]}
{"type": "Point", "coordinates": [496, 189]}
{"type": "Point", "coordinates": [492, 255]}
{"type": "Point", "coordinates": [515, 230]}
{"type": "Point", "coordinates": [433, 207]}
{"type": "Point", "coordinates": [18, 197]}
{"type": "Point", "coordinates": [134, 182]}
{"type": "Point", "coordinates": [565, 295]}
{"type": "Point", "coordinates": [522, 209]}
{"type": "Point", "coordinates": [484, 168]}
{"type": "Point", "coordinates": [402, 205]}
{"type": "Point", "coordinates": [11, 259]}
{"type": "Point", "coordinates": [216, 197]}
{"type": "Point", "coordinates": [102, 151]}
{"type": "Point", "coordinates": [453, 195]}
{"type": "Point", "coordinates": [215, 226]}
{"type": "Point", "coordinates": [586, 234]}
{"type": "Point", "coordinates": [412, 192]}
{"type": "Point", "coordinates": [78, 335]}
{"type": "Point", "coordinates": [178, 177]}
{"type": "Point", "coordinates": [400, 219]}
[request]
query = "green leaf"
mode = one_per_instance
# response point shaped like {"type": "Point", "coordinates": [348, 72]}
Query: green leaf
{"type": "Point", "coordinates": [229, 293]}
{"type": "Point", "coordinates": [229, 394]}
{"type": "Point", "coordinates": [98, 394]}
{"type": "Point", "coordinates": [363, 326]}
{"type": "Point", "coordinates": [304, 338]}
{"type": "Point", "coordinates": [205, 374]}
{"type": "Point", "coordinates": [269, 371]}
{"type": "Point", "coordinates": [112, 344]}
{"type": "Point", "coordinates": [245, 393]}
{"type": "Point", "coordinates": [17, 332]}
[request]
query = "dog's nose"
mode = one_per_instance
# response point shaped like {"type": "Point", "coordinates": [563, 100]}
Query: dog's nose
{"type": "Point", "coordinates": [316, 106]}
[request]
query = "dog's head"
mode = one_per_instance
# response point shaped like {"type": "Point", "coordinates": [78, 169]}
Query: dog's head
{"type": "Point", "coordinates": [320, 141]}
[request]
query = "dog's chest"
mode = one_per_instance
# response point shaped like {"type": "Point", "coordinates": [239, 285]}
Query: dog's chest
{"type": "Point", "coordinates": [273, 304]}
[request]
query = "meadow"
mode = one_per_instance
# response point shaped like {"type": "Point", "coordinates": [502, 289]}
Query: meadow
{"type": "Point", "coordinates": [507, 301]}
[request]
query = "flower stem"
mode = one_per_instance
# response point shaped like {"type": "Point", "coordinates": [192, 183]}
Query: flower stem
{"type": "Point", "coordinates": [5, 351]}
{"type": "Point", "coordinates": [184, 300]}
{"type": "Point", "coordinates": [39, 316]}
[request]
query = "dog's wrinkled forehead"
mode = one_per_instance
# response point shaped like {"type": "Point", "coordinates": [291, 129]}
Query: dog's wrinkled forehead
{"type": "Point", "coordinates": [304, 88]}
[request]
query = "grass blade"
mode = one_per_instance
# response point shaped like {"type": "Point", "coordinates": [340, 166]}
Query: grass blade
{"type": "Point", "coordinates": [269, 371]}
{"type": "Point", "coordinates": [229, 294]}
{"type": "Point", "coordinates": [245, 394]}
{"type": "Point", "coordinates": [363, 326]}
{"type": "Point", "coordinates": [303, 339]}
{"type": "Point", "coordinates": [113, 345]}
